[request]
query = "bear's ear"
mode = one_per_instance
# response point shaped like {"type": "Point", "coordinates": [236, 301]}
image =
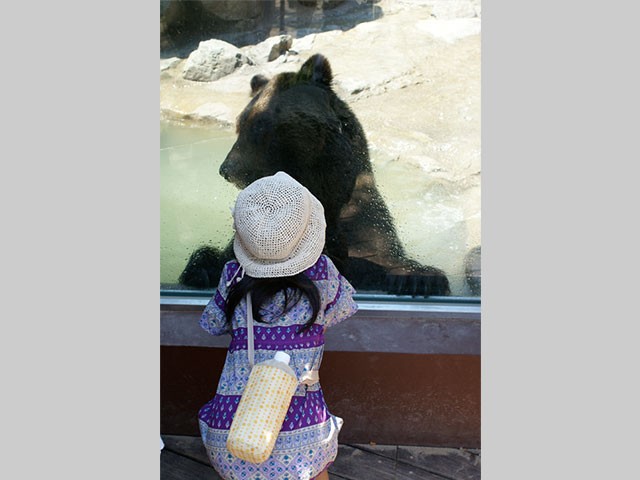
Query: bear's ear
{"type": "Point", "coordinates": [316, 69]}
{"type": "Point", "coordinates": [257, 83]}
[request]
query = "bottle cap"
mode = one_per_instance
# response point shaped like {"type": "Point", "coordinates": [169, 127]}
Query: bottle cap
{"type": "Point", "coordinates": [282, 357]}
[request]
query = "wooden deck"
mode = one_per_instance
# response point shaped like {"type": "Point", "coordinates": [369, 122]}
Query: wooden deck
{"type": "Point", "coordinates": [184, 458]}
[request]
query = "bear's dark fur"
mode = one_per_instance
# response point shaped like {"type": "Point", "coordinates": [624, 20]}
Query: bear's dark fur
{"type": "Point", "coordinates": [297, 124]}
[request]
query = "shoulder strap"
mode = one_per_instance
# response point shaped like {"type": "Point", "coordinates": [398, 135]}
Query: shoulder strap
{"type": "Point", "coordinates": [250, 329]}
{"type": "Point", "coordinates": [309, 378]}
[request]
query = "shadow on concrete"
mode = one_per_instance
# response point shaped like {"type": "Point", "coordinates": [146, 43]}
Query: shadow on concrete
{"type": "Point", "coordinates": [183, 25]}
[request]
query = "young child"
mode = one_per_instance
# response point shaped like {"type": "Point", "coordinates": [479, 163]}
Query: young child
{"type": "Point", "coordinates": [297, 293]}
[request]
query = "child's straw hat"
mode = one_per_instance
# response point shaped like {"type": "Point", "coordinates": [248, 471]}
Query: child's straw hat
{"type": "Point", "coordinates": [279, 227]}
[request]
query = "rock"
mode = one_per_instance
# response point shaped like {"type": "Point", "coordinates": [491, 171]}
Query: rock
{"type": "Point", "coordinates": [270, 49]}
{"type": "Point", "coordinates": [212, 60]}
{"type": "Point", "coordinates": [448, 9]}
{"type": "Point", "coordinates": [303, 43]}
{"type": "Point", "coordinates": [216, 112]}
{"type": "Point", "coordinates": [167, 63]}
{"type": "Point", "coordinates": [450, 30]}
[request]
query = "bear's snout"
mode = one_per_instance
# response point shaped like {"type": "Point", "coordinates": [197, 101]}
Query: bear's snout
{"type": "Point", "coordinates": [224, 170]}
{"type": "Point", "coordinates": [232, 171]}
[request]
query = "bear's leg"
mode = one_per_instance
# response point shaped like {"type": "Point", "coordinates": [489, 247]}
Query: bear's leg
{"type": "Point", "coordinates": [370, 234]}
{"type": "Point", "coordinates": [204, 267]}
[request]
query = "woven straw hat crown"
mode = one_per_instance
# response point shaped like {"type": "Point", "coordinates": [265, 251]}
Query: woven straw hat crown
{"type": "Point", "coordinates": [279, 227]}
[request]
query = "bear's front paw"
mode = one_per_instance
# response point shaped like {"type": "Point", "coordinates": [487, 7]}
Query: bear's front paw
{"type": "Point", "coordinates": [203, 268]}
{"type": "Point", "coordinates": [417, 281]}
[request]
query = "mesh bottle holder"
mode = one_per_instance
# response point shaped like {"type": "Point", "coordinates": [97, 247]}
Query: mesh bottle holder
{"type": "Point", "coordinates": [264, 403]}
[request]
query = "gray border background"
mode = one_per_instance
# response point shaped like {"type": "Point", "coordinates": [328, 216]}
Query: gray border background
{"type": "Point", "coordinates": [80, 355]}
{"type": "Point", "coordinates": [560, 241]}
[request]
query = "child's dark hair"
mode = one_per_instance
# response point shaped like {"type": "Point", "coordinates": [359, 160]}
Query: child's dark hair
{"type": "Point", "coordinates": [263, 289]}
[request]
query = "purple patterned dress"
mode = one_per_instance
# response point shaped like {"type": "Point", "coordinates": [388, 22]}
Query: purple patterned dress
{"type": "Point", "coordinates": [308, 440]}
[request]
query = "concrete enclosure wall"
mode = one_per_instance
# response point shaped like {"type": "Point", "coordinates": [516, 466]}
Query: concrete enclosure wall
{"type": "Point", "coordinates": [423, 390]}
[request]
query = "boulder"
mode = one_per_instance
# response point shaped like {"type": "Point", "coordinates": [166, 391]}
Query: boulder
{"type": "Point", "coordinates": [270, 49]}
{"type": "Point", "coordinates": [212, 60]}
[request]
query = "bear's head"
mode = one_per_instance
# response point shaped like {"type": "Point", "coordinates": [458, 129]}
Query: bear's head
{"type": "Point", "coordinates": [296, 123]}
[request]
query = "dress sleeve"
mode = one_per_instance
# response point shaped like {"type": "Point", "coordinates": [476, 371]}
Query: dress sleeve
{"type": "Point", "coordinates": [341, 304]}
{"type": "Point", "coordinates": [213, 319]}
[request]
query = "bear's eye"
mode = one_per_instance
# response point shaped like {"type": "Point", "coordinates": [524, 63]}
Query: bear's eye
{"type": "Point", "coordinates": [260, 129]}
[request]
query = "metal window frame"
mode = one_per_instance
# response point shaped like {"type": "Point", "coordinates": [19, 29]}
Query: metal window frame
{"type": "Point", "coordinates": [383, 324]}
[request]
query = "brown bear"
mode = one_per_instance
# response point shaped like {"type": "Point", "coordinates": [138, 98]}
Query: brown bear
{"type": "Point", "coordinates": [296, 123]}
